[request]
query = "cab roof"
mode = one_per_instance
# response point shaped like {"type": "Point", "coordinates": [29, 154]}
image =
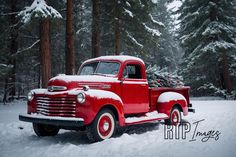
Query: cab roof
{"type": "Point", "coordinates": [121, 58]}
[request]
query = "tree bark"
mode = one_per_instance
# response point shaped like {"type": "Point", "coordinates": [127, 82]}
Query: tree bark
{"type": "Point", "coordinates": [226, 74]}
{"type": "Point", "coordinates": [70, 51]}
{"type": "Point", "coordinates": [117, 29]}
{"type": "Point", "coordinates": [95, 28]}
{"type": "Point", "coordinates": [117, 37]}
{"type": "Point", "coordinates": [45, 51]}
{"type": "Point", "coordinates": [226, 82]}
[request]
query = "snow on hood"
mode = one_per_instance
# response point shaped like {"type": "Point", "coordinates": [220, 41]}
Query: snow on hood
{"type": "Point", "coordinates": [83, 78]}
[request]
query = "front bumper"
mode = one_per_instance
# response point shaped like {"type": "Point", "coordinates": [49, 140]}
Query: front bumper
{"type": "Point", "coordinates": [57, 121]}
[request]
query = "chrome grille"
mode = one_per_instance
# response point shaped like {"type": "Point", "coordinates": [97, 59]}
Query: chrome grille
{"type": "Point", "coordinates": [61, 106]}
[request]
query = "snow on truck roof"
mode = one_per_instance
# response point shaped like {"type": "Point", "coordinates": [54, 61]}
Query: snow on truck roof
{"type": "Point", "coordinates": [121, 58]}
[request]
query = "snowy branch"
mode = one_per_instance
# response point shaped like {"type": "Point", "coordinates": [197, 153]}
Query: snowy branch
{"type": "Point", "coordinates": [38, 8]}
{"type": "Point", "coordinates": [156, 22]}
{"type": "Point", "coordinates": [129, 12]}
{"type": "Point", "coordinates": [134, 40]}
{"type": "Point", "coordinates": [154, 32]}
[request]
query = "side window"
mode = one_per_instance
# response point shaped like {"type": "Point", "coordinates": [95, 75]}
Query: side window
{"type": "Point", "coordinates": [132, 71]}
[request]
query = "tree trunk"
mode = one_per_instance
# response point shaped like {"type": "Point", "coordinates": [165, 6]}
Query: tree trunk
{"type": "Point", "coordinates": [95, 28]}
{"type": "Point", "coordinates": [117, 37]}
{"type": "Point", "coordinates": [226, 74]}
{"type": "Point", "coordinates": [70, 52]}
{"type": "Point", "coordinates": [226, 82]}
{"type": "Point", "coordinates": [45, 51]}
{"type": "Point", "coordinates": [117, 29]}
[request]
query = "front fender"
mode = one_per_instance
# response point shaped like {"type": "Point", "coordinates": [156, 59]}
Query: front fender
{"type": "Point", "coordinates": [95, 101]}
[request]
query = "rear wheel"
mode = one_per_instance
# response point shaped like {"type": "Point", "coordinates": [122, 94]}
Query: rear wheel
{"type": "Point", "coordinates": [45, 130]}
{"type": "Point", "coordinates": [175, 117]}
{"type": "Point", "coordinates": [103, 126]}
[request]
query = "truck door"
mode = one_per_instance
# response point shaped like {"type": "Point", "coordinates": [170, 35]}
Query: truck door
{"type": "Point", "coordinates": [134, 89]}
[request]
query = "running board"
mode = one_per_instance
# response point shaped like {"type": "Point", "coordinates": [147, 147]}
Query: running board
{"type": "Point", "coordinates": [148, 117]}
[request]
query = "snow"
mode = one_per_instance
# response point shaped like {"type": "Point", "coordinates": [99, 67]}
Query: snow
{"type": "Point", "coordinates": [218, 45]}
{"type": "Point", "coordinates": [169, 96]}
{"type": "Point", "coordinates": [134, 40]}
{"type": "Point", "coordinates": [18, 139]}
{"type": "Point", "coordinates": [174, 5]}
{"type": "Point", "coordinates": [156, 22]}
{"type": "Point", "coordinates": [38, 8]}
{"type": "Point", "coordinates": [154, 32]}
{"type": "Point", "coordinates": [74, 91]}
{"type": "Point", "coordinates": [100, 94]}
{"type": "Point", "coordinates": [84, 78]}
{"type": "Point", "coordinates": [39, 91]}
{"type": "Point", "coordinates": [149, 115]}
{"type": "Point", "coordinates": [129, 13]}
{"type": "Point", "coordinates": [121, 58]}
{"type": "Point", "coordinates": [128, 4]}
{"type": "Point", "coordinates": [154, 1]}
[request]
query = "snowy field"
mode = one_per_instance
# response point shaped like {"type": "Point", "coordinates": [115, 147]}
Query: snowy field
{"type": "Point", "coordinates": [17, 139]}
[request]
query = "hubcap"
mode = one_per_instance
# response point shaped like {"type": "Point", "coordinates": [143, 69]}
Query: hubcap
{"type": "Point", "coordinates": [105, 126]}
{"type": "Point", "coordinates": [175, 118]}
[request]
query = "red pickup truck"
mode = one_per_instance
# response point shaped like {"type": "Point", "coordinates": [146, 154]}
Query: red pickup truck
{"type": "Point", "coordinates": [108, 91]}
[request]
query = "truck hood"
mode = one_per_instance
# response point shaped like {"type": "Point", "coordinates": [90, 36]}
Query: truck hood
{"type": "Point", "coordinates": [76, 81]}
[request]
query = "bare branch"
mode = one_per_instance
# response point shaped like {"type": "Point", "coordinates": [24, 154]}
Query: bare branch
{"type": "Point", "coordinates": [28, 48]}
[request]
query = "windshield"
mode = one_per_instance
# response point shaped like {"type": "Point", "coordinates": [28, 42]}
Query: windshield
{"type": "Point", "coordinates": [100, 68]}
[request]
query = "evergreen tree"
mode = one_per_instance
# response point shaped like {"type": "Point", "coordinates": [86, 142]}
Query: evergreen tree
{"type": "Point", "coordinates": [207, 32]}
{"type": "Point", "coordinates": [128, 23]}
{"type": "Point", "coordinates": [40, 9]}
{"type": "Point", "coordinates": [168, 53]}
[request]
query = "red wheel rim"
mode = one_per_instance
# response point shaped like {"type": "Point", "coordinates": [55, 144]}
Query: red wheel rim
{"type": "Point", "coordinates": [104, 125]}
{"type": "Point", "coordinates": [175, 117]}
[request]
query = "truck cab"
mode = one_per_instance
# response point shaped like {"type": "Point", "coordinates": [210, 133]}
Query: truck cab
{"type": "Point", "coordinates": [107, 91]}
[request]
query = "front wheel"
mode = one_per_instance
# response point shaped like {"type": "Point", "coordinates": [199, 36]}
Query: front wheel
{"type": "Point", "coordinates": [103, 126]}
{"type": "Point", "coordinates": [45, 130]}
{"type": "Point", "coordinates": [175, 117]}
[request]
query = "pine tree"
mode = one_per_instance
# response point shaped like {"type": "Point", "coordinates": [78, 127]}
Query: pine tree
{"type": "Point", "coordinates": [207, 32]}
{"type": "Point", "coordinates": [168, 52]}
{"type": "Point", "coordinates": [128, 23]}
{"type": "Point", "coordinates": [12, 47]}
{"type": "Point", "coordinates": [40, 9]}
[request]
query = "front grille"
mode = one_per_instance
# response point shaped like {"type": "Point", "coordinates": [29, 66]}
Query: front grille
{"type": "Point", "coordinates": [63, 106]}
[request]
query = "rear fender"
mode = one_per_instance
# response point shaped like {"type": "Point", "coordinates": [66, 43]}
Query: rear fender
{"type": "Point", "coordinates": [166, 101]}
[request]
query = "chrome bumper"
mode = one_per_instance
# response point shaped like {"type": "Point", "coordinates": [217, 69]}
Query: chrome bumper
{"type": "Point", "coordinates": [57, 121]}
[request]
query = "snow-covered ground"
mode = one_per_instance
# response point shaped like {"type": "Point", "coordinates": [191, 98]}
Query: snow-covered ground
{"type": "Point", "coordinates": [18, 139]}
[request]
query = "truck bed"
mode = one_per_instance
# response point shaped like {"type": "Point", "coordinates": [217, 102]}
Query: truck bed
{"type": "Point", "coordinates": [155, 92]}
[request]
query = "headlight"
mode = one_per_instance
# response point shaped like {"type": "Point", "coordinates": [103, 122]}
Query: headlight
{"type": "Point", "coordinates": [30, 96]}
{"type": "Point", "coordinates": [81, 98]}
